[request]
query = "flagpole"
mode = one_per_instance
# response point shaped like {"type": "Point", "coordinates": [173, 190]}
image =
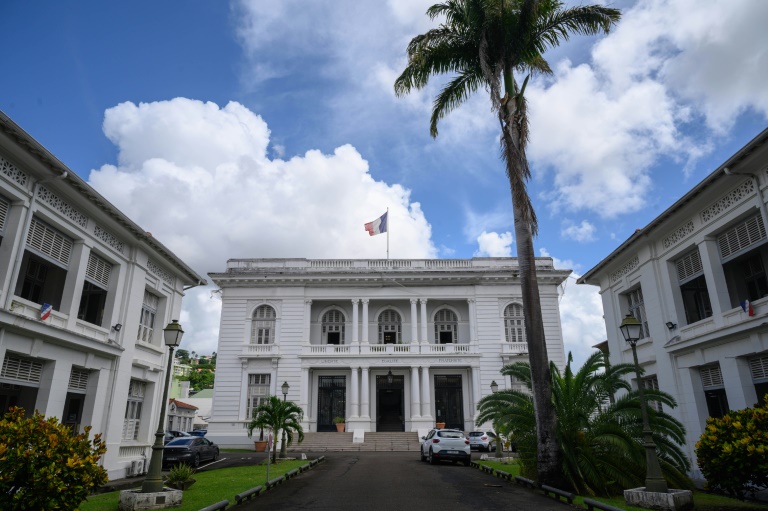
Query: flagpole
{"type": "Point", "coordinates": [387, 234]}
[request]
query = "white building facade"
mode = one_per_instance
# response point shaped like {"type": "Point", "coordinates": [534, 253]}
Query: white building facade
{"type": "Point", "coordinates": [84, 296]}
{"type": "Point", "coordinates": [390, 345]}
{"type": "Point", "coordinates": [685, 276]}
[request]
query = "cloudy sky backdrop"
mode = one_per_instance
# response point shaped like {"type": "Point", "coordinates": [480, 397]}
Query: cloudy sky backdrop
{"type": "Point", "coordinates": [261, 128]}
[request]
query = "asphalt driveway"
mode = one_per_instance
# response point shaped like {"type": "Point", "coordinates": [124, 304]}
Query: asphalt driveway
{"type": "Point", "coordinates": [397, 481]}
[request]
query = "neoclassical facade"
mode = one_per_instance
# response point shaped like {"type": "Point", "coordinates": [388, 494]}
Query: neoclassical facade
{"type": "Point", "coordinates": [695, 277]}
{"type": "Point", "coordinates": [390, 345]}
{"type": "Point", "coordinates": [84, 296]}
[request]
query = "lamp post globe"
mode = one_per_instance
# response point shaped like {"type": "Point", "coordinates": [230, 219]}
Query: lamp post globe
{"type": "Point", "coordinates": [631, 329]}
{"type": "Point", "coordinates": [153, 483]}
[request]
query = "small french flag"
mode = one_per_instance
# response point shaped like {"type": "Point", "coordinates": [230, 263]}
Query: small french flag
{"type": "Point", "coordinates": [45, 312]}
{"type": "Point", "coordinates": [747, 307]}
{"type": "Point", "coordinates": [378, 226]}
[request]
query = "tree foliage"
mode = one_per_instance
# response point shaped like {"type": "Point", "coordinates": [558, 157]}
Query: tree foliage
{"type": "Point", "coordinates": [601, 441]}
{"type": "Point", "coordinates": [278, 415]}
{"type": "Point", "coordinates": [733, 451]}
{"type": "Point", "coordinates": [44, 465]}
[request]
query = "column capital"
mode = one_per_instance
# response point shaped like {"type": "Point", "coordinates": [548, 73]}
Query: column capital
{"type": "Point", "coordinates": [414, 301]}
{"type": "Point", "coordinates": [364, 301]}
{"type": "Point", "coordinates": [308, 301]}
{"type": "Point", "coordinates": [471, 300]}
{"type": "Point", "coordinates": [423, 300]}
{"type": "Point", "coordinates": [355, 301]}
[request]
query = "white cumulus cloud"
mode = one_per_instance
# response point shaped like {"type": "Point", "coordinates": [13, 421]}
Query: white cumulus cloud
{"type": "Point", "coordinates": [493, 244]}
{"type": "Point", "coordinates": [583, 232]}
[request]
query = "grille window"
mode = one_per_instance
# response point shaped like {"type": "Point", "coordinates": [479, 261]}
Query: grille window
{"type": "Point", "coordinates": [78, 379]}
{"type": "Point", "coordinates": [21, 369]}
{"type": "Point", "coordinates": [147, 318]}
{"type": "Point", "coordinates": [263, 325]}
{"type": "Point", "coordinates": [98, 270]}
{"type": "Point", "coordinates": [636, 307]}
{"type": "Point", "coordinates": [49, 242]}
{"type": "Point", "coordinates": [741, 236]}
{"type": "Point", "coordinates": [446, 326]}
{"type": "Point", "coordinates": [3, 214]}
{"type": "Point", "coordinates": [514, 323]}
{"type": "Point", "coordinates": [390, 327]}
{"type": "Point", "coordinates": [711, 377]}
{"type": "Point", "coordinates": [133, 409]}
{"type": "Point", "coordinates": [689, 266]}
{"type": "Point", "coordinates": [333, 327]}
{"type": "Point", "coordinates": [258, 392]}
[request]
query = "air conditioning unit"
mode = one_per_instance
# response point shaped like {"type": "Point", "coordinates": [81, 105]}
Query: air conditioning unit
{"type": "Point", "coordinates": [136, 468]}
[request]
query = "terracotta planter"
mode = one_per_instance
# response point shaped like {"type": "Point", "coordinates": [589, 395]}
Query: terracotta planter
{"type": "Point", "coordinates": [182, 485]}
{"type": "Point", "coordinates": [340, 427]}
{"type": "Point", "coordinates": [440, 425]}
{"type": "Point", "coordinates": [260, 445]}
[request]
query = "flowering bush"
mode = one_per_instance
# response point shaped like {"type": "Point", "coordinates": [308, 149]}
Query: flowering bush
{"type": "Point", "coordinates": [44, 465]}
{"type": "Point", "coordinates": [733, 451]}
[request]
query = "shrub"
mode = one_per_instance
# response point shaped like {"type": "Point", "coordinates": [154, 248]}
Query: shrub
{"type": "Point", "coordinates": [180, 473]}
{"type": "Point", "coordinates": [44, 465]}
{"type": "Point", "coordinates": [733, 451]}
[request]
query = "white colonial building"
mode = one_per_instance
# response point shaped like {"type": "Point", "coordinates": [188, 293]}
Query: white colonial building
{"type": "Point", "coordinates": [390, 345]}
{"type": "Point", "coordinates": [84, 295]}
{"type": "Point", "coordinates": [685, 276]}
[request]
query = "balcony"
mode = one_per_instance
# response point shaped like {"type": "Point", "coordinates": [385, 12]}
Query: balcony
{"type": "Point", "coordinates": [514, 349]}
{"type": "Point", "coordinates": [357, 350]}
{"type": "Point", "coordinates": [260, 350]}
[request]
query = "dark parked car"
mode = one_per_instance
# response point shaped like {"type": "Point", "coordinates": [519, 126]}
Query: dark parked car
{"type": "Point", "coordinates": [170, 435]}
{"type": "Point", "coordinates": [190, 450]}
{"type": "Point", "coordinates": [198, 432]}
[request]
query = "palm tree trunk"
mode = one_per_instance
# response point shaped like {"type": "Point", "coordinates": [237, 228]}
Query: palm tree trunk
{"type": "Point", "coordinates": [549, 463]}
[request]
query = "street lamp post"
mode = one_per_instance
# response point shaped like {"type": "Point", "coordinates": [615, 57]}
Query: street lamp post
{"type": "Point", "coordinates": [154, 481]}
{"type": "Point", "coordinates": [654, 480]}
{"type": "Point", "coordinates": [285, 388]}
{"type": "Point", "coordinates": [499, 447]}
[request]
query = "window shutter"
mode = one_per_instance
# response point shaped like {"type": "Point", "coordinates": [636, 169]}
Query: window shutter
{"type": "Point", "coordinates": [3, 214]}
{"type": "Point", "coordinates": [22, 369]}
{"type": "Point", "coordinates": [711, 377]}
{"type": "Point", "coordinates": [759, 368]}
{"type": "Point", "coordinates": [78, 379]}
{"type": "Point", "coordinates": [689, 266]}
{"type": "Point", "coordinates": [741, 236]}
{"type": "Point", "coordinates": [49, 242]}
{"type": "Point", "coordinates": [98, 270]}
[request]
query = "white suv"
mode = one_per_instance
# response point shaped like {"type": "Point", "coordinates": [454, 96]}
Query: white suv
{"type": "Point", "coordinates": [483, 440]}
{"type": "Point", "coordinates": [445, 444]}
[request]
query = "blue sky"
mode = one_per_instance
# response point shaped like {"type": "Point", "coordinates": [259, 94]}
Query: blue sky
{"type": "Point", "coordinates": [273, 130]}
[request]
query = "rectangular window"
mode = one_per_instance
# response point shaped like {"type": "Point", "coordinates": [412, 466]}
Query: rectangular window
{"type": "Point", "coordinates": [652, 382]}
{"type": "Point", "coordinates": [636, 308]}
{"type": "Point", "coordinates": [759, 369]}
{"type": "Point", "coordinates": [3, 216]}
{"type": "Point", "coordinates": [714, 390]}
{"type": "Point", "coordinates": [21, 369]}
{"type": "Point", "coordinates": [258, 392]}
{"type": "Point", "coordinates": [94, 297]}
{"type": "Point", "coordinates": [693, 287]}
{"type": "Point", "coordinates": [136, 391]}
{"type": "Point", "coordinates": [147, 318]}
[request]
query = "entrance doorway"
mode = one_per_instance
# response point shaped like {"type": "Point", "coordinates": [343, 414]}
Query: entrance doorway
{"type": "Point", "coordinates": [449, 403]}
{"type": "Point", "coordinates": [334, 337]}
{"type": "Point", "coordinates": [73, 410]}
{"type": "Point", "coordinates": [389, 337]}
{"type": "Point", "coordinates": [331, 401]}
{"type": "Point", "coordinates": [389, 404]}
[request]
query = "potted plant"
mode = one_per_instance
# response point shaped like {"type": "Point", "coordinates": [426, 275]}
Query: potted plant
{"type": "Point", "coordinates": [440, 425]}
{"type": "Point", "coordinates": [258, 421]}
{"type": "Point", "coordinates": [340, 425]}
{"type": "Point", "coordinates": [180, 477]}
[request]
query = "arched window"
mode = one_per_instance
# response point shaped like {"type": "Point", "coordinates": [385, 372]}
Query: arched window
{"type": "Point", "coordinates": [514, 323]}
{"type": "Point", "coordinates": [446, 327]}
{"type": "Point", "coordinates": [390, 327]}
{"type": "Point", "coordinates": [263, 325]}
{"type": "Point", "coordinates": [333, 327]}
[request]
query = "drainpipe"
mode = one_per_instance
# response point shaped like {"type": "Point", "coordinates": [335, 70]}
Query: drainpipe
{"type": "Point", "coordinates": [23, 240]}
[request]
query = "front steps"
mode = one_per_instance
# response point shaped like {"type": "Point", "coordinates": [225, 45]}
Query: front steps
{"type": "Point", "coordinates": [381, 441]}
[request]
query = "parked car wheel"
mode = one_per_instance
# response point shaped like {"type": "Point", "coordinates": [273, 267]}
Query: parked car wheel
{"type": "Point", "coordinates": [467, 463]}
{"type": "Point", "coordinates": [196, 461]}
{"type": "Point", "coordinates": [432, 459]}
{"type": "Point", "coordinates": [215, 454]}
{"type": "Point", "coordinates": [421, 455]}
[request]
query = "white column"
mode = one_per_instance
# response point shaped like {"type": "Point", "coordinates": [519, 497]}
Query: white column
{"type": "Point", "coordinates": [472, 320]}
{"type": "Point", "coordinates": [426, 402]}
{"type": "Point", "coordinates": [414, 322]}
{"type": "Point", "coordinates": [365, 321]}
{"type": "Point", "coordinates": [52, 393]}
{"type": "Point", "coordinates": [304, 392]}
{"type": "Point", "coordinates": [475, 389]}
{"type": "Point", "coordinates": [424, 337]}
{"type": "Point", "coordinates": [307, 321]}
{"type": "Point", "coordinates": [355, 408]}
{"type": "Point", "coordinates": [415, 402]}
{"type": "Point", "coordinates": [355, 322]}
{"type": "Point", "coordinates": [364, 412]}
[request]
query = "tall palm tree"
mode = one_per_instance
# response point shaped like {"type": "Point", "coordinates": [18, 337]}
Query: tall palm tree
{"type": "Point", "coordinates": [602, 442]}
{"type": "Point", "coordinates": [278, 415]}
{"type": "Point", "coordinates": [484, 43]}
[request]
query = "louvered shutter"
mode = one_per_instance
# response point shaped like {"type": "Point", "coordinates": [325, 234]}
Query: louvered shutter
{"type": "Point", "coordinates": [49, 242]}
{"type": "Point", "coordinates": [759, 368]}
{"type": "Point", "coordinates": [689, 267]}
{"type": "Point", "coordinates": [22, 369]}
{"type": "Point", "coordinates": [78, 380]}
{"type": "Point", "coordinates": [98, 270]}
{"type": "Point", "coordinates": [3, 214]}
{"type": "Point", "coordinates": [711, 377]}
{"type": "Point", "coordinates": [740, 237]}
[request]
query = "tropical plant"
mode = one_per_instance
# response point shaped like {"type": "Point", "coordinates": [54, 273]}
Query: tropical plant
{"type": "Point", "coordinates": [45, 465]}
{"type": "Point", "coordinates": [484, 43]}
{"type": "Point", "coordinates": [180, 473]}
{"type": "Point", "coordinates": [601, 442]}
{"type": "Point", "coordinates": [257, 421]}
{"type": "Point", "coordinates": [733, 451]}
{"type": "Point", "coordinates": [338, 420]}
{"type": "Point", "coordinates": [278, 415]}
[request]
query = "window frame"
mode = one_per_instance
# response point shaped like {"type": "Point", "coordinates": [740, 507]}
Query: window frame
{"type": "Point", "coordinates": [514, 324]}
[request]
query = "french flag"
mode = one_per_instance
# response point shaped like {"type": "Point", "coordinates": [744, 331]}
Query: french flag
{"type": "Point", "coordinates": [378, 226]}
{"type": "Point", "coordinates": [45, 311]}
{"type": "Point", "coordinates": [747, 307]}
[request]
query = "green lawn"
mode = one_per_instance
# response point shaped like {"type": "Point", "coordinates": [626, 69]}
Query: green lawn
{"type": "Point", "coordinates": [211, 487]}
{"type": "Point", "coordinates": [702, 501]}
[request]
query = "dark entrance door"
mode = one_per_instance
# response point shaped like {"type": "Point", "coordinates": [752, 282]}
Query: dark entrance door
{"type": "Point", "coordinates": [389, 404]}
{"type": "Point", "coordinates": [389, 337]}
{"type": "Point", "coordinates": [73, 409]}
{"type": "Point", "coordinates": [446, 337]}
{"type": "Point", "coordinates": [331, 401]}
{"type": "Point", "coordinates": [334, 338]}
{"type": "Point", "coordinates": [448, 401]}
